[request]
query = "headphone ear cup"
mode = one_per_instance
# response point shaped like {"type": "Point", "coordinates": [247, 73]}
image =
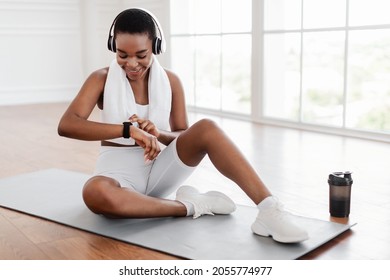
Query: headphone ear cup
{"type": "Point", "coordinates": [111, 44]}
{"type": "Point", "coordinates": [156, 48]}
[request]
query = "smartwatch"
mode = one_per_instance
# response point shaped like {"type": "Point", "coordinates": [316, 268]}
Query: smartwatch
{"type": "Point", "coordinates": [126, 129]}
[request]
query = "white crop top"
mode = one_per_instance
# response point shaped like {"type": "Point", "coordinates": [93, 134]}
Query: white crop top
{"type": "Point", "coordinates": [143, 111]}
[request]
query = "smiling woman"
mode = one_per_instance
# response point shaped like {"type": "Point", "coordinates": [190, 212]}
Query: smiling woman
{"type": "Point", "coordinates": [134, 55]}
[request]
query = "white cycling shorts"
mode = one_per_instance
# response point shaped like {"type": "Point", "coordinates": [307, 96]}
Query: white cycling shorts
{"type": "Point", "coordinates": [158, 178]}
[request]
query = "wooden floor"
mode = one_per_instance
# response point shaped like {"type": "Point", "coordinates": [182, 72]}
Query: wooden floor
{"type": "Point", "coordinates": [294, 164]}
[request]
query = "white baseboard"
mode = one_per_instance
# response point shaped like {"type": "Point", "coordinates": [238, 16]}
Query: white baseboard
{"type": "Point", "coordinates": [34, 95]}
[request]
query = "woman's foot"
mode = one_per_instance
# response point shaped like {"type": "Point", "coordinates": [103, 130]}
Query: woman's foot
{"type": "Point", "coordinates": [273, 221]}
{"type": "Point", "coordinates": [208, 203]}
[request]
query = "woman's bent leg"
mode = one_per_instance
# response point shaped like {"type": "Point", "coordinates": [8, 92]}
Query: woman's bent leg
{"type": "Point", "coordinates": [104, 195]}
{"type": "Point", "coordinates": [205, 137]}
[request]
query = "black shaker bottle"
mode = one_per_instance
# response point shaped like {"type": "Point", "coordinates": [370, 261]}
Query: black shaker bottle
{"type": "Point", "coordinates": [340, 184]}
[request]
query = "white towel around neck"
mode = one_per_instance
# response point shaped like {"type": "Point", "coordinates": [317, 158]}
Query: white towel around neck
{"type": "Point", "coordinates": [119, 102]}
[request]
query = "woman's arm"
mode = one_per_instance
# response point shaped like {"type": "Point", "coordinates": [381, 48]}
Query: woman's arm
{"type": "Point", "coordinates": [75, 124]}
{"type": "Point", "coordinates": [178, 118]}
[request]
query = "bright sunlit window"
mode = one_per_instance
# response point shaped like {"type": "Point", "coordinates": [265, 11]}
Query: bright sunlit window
{"type": "Point", "coordinates": [211, 43]}
{"type": "Point", "coordinates": [324, 63]}
{"type": "Point", "coordinates": [327, 63]}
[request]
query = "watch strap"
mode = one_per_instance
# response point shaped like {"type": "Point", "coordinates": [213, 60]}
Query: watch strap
{"type": "Point", "coordinates": [126, 129]}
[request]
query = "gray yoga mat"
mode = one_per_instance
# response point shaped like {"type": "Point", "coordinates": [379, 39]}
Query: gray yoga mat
{"type": "Point", "coordinates": [55, 195]}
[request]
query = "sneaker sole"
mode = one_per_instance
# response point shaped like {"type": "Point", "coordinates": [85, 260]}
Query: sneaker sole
{"type": "Point", "coordinates": [263, 231]}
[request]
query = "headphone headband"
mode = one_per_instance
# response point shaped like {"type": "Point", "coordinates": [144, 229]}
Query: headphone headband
{"type": "Point", "coordinates": [158, 44]}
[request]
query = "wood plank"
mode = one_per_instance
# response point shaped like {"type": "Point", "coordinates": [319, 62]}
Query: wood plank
{"type": "Point", "coordinates": [55, 241]}
{"type": "Point", "coordinates": [14, 245]}
{"type": "Point", "coordinates": [93, 247]}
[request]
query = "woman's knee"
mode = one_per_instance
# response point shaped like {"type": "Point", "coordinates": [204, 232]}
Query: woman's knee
{"type": "Point", "coordinates": [194, 143]}
{"type": "Point", "coordinates": [209, 131]}
{"type": "Point", "coordinates": [96, 193]}
{"type": "Point", "coordinates": [205, 128]}
{"type": "Point", "coordinates": [205, 124]}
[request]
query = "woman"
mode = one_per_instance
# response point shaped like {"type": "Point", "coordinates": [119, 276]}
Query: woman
{"type": "Point", "coordinates": [143, 109]}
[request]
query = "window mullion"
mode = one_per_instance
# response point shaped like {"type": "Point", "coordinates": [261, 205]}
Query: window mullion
{"type": "Point", "coordinates": [300, 117]}
{"type": "Point", "coordinates": [257, 67]}
{"type": "Point", "coordinates": [220, 60]}
{"type": "Point", "coordinates": [345, 88]}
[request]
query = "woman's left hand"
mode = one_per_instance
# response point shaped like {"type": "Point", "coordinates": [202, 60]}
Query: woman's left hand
{"type": "Point", "coordinates": [145, 125]}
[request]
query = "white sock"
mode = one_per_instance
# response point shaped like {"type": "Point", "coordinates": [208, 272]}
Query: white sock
{"type": "Point", "coordinates": [190, 208]}
{"type": "Point", "coordinates": [266, 203]}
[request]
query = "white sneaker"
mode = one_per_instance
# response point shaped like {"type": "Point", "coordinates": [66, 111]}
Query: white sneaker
{"type": "Point", "coordinates": [208, 203]}
{"type": "Point", "coordinates": [274, 221]}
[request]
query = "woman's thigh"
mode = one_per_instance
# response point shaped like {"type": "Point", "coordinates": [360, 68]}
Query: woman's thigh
{"type": "Point", "coordinates": [125, 165]}
{"type": "Point", "coordinates": [168, 172]}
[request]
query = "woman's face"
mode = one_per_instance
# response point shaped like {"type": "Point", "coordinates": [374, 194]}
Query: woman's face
{"type": "Point", "coordinates": [134, 54]}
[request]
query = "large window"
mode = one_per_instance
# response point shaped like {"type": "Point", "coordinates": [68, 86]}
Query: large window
{"type": "Point", "coordinates": [323, 63]}
{"type": "Point", "coordinates": [327, 62]}
{"type": "Point", "coordinates": [211, 43]}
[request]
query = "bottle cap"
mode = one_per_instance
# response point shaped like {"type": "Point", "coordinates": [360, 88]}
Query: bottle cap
{"type": "Point", "coordinates": [340, 178]}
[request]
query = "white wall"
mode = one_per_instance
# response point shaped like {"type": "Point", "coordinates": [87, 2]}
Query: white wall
{"type": "Point", "coordinates": [39, 50]}
{"type": "Point", "coordinates": [49, 47]}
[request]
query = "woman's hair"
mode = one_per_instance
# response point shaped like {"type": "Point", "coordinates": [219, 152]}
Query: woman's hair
{"type": "Point", "coordinates": [135, 21]}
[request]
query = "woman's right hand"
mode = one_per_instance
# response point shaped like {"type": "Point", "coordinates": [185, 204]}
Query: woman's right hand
{"type": "Point", "coordinates": [147, 141]}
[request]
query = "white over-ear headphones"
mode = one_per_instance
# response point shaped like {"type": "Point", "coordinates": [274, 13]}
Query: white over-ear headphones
{"type": "Point", "coordinates": [158, 44]}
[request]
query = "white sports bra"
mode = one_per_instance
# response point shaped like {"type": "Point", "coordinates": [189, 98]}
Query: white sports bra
{"type": "Point", "coordinates": [143, 111]}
